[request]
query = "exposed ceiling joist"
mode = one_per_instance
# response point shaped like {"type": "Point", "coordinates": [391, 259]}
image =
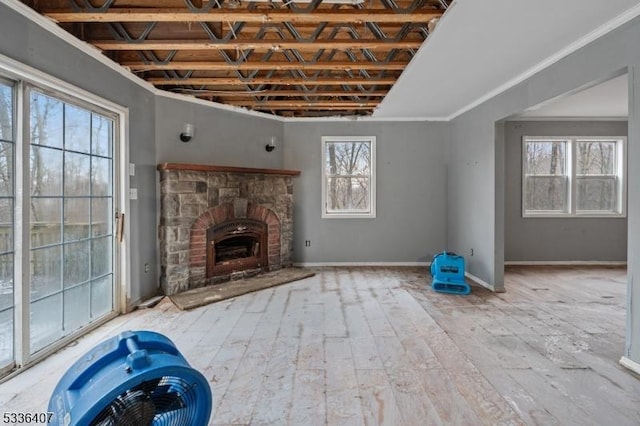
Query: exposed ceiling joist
{"type": "Point", "coordinates": [287, 93]}
{"type": "Point", "coordinates": [229, 81]}
{"type": "Point", "coordinates": [352, 16]}
{"type": "Point", "coordinates": [257, 45]}
{"type": "Point", "coordinates": [264, 65]}
{"type": "Point", "coordinates": [314, 108]}
{"type": "Point", "coordinates": [323, 57]}
{"type": "Point", "coordinates": [303, 104]}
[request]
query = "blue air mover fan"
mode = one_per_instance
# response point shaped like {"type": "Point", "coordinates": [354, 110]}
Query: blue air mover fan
{"type": "Point", "coordinates": [136, 378]}
{"type": "Point", "coordinates": [447, 270]}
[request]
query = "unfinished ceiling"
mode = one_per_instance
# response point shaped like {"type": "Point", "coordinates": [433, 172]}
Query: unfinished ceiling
{"type": "Point", "coordinates": [295, 59]}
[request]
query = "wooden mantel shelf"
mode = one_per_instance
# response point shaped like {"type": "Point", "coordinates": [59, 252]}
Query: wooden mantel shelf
{"type": "Point", "coordinates": [228, 169]}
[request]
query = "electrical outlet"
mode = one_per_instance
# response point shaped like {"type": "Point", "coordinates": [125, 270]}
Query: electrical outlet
{"type": "Point", "coordinates": [471, 254]}
{"type": "Point", "coordinates": [307, 243]}
{"type": "Point", "coordinates": [146, 268]}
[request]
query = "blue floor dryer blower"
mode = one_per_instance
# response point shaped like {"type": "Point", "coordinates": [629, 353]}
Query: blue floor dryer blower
{"type": "Point", "coordinates": [447, 270]}
{"type": "Point", "coordinates": [136, 378]}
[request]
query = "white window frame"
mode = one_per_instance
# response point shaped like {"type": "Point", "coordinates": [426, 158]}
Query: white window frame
{"type": "Point", "coordinates": [5, 368]}
{"type": "Point", "coordinates": [345, 214]}
{"type": "Point", "coordinates": [570, 172]}
{"type": "Point", "coordinates": [24, 76]}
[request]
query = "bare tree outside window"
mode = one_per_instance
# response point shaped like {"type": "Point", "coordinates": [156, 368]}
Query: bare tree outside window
{"type": "Point", "coordinates": [545, 176]}
{"type": "Point", "coordinates": [71, 184]}
{"type": "Point", "coordinates": [596, 176]}
{"type": "Point", "coordinates": [67, 200]}
{"type": "Point", "coordinates": [6, 140]}
{"type": "Point", "coordinates": [573, 176]}
{"type": "Point", "coordinates": [6, 224]}
{"type": "Point", "coordinates": [6, 168]}
{"type": "Point", "coordinates": [348, 176]}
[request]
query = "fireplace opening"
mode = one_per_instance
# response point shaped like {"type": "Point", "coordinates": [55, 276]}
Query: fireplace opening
{"type": "Point", "coordinates": [236, 245]}
{"type": "Point", "coordinates": [237, 248]}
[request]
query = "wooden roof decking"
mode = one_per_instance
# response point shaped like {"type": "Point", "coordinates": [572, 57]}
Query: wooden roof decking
{"type": "Point", "coordinates": [311, 58]}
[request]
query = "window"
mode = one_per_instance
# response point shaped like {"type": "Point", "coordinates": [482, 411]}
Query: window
{"type": "Point", "coordinates": [573, 176]}
{"type": "Point", "coordinates": [7, 201]}
{"type": "Point", "coordinates": [348, 184]}
{"type": "Point", "coordinates": [58, 199]}
{"type": "Point", "coordinates": [71, 206]}
{"type": "Point", "coordinates": [546, 181]}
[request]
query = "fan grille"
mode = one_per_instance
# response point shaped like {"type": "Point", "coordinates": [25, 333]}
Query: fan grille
{"type": "Point", "coordinates": [167, 400]}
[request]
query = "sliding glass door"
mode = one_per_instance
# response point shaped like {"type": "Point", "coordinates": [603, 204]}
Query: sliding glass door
{"type": "Point", "coordinates": [71, 211]}
{"type": "Point", "coordinates": [57, 210]}
{"type": "Point", "coordinates": [7, 203]}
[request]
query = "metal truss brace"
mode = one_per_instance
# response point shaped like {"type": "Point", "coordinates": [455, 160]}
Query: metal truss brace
{"type": "Point", "coordinates": [206, 8]}
{"type": "Point", "coordinates": [391, 4]}
{"type": "Point", "coordinates": [313, 5]}
{"type": "Point", "coordinates": [150, 57]}
{"type": "Point", "coordinates": [88, 7]}
{"type": "Point", "coordinates": [120, 32]}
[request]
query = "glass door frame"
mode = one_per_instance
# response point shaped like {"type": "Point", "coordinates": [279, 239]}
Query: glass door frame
{"type": "Point", "coordinates": [14, 126]}
{"type": "Point", "coordinates": [25, 77]}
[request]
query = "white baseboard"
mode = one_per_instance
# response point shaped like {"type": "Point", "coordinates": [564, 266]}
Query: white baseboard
{"type": "Point", "coordinates": [391, 264]}
{"type": "Point", "coordinates": [347, 264]}
{"type": "Point", "coordinates": [565, 263]}
{"type": "Point", "coordinates": [631, 365]}
{"type": "Point", "coordinates": [483, 283]}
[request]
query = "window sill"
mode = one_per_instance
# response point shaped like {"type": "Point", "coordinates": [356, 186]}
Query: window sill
{"type": "Point", "coordinates": [575, 216]}
{"type": "Point", "coordinates": [348, 216]}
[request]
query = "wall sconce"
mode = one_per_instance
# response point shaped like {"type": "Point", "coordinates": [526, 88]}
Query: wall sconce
{"type": "Point", "coordinates": [187, 132]}
{"type": "Point", "coordinates": [271, 145]}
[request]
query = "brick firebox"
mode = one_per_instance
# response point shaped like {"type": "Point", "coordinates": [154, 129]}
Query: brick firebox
{"type": "Point", "coordinates": [197, 198]}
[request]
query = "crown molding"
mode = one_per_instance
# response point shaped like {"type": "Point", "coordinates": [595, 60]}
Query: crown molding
{"type": "Point", "coordinates": [543, 119]}
{"type": "Point", "coordinates": [351, 119]}
{"type": "Point", "coordinates": [215, 105]}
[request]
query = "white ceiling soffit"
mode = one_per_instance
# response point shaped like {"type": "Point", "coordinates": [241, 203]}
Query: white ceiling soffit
{"type": "Point", "coordinates": [606, 100]}
{"type": "Point", "coordinates": [481, 48]}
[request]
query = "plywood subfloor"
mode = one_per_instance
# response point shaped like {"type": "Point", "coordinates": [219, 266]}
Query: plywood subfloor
{"type": "Point", "coordinates": [377, 346]}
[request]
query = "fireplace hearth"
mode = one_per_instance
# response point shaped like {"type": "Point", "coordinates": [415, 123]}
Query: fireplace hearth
{"type": "Point", "coordinates": [222, 223]}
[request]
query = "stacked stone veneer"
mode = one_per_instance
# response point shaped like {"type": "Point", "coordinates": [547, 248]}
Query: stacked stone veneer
{"type": "Point", "coordinates": [192, 201]}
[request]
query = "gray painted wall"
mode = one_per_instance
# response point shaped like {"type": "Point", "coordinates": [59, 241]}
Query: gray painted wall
{"type": "Point", "coordinates": [221, 137]}
{"type": "Point", "coordinates": [411, 194]}
{"type": "Point", "coordinates": [537, 239]}
{"type": "Point", "coordinates": [475, 176]}
{"type": "Point", "coordinates": [424, 205]}
{"type": "Point", "coordinates": [28, 43]}
{"type": "Point", "coordinates": [472, 195]}
{"type": "Point", "coordinates": [632, 349]}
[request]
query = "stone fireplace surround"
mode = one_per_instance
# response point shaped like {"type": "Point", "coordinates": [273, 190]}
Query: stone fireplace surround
{"type": "Point", "coordinates": [197, 198]}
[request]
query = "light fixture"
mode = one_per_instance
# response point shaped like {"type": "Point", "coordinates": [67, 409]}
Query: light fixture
{"type": "Point", "coordinates": [271, 145]}
{"type": "Point", "coordinates": [187, 132]}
